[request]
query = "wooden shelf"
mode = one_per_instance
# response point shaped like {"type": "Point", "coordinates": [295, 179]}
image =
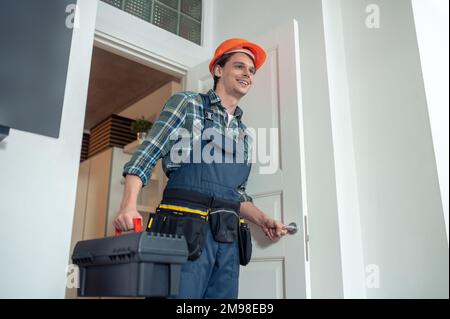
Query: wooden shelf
{"type": "Point", "coordinates": [145, 209]}
{"type": "Point", "coordinates": [131, 147]}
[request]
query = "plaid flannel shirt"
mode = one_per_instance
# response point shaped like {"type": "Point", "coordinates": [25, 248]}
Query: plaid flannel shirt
{"type": "Point", "coordinates": [182, 110]}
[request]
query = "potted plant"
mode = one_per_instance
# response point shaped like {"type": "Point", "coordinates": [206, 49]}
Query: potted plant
{"type": "Point", "coordinates": [141, 126]}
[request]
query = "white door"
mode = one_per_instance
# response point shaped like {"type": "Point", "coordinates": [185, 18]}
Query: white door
{"type": "Point", "coordinates": [278, 269]}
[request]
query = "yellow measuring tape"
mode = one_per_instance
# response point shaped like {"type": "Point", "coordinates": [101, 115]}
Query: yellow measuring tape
{"type": "Point", "coordinates": [184, 209]}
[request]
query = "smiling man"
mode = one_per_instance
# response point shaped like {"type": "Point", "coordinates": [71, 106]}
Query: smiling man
{"type": "Point", "coordinates": [205, 201]}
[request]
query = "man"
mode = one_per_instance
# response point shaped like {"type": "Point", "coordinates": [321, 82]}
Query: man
{"type": "Point", "coordinates": [204, 200]}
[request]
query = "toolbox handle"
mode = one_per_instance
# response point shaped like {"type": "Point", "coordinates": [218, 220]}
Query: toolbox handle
{"type": "Point", "coordinates": [137, 227]}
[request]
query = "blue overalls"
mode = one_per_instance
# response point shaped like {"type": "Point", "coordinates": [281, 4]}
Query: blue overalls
{"type": "Point", "coordinates": [215, 273]}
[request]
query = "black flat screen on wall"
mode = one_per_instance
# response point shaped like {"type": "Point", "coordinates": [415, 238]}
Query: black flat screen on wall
{"type": "Point", "coordinates": [35, 40]}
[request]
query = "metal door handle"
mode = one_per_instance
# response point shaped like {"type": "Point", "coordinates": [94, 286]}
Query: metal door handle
{"type": "Point", "coordinates": [291, 228]}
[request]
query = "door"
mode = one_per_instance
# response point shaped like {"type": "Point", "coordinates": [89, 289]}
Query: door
{"type": "Point", "coordinates": [278, 269]}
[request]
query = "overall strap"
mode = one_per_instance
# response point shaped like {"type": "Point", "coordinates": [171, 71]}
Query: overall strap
{"type": "Point", "coordinates": [207, 111]}
{"type": "Point", "coordinates": [208, 116]}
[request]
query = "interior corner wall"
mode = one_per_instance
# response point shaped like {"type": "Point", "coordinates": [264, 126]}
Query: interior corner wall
{"type": "Point", "coordinates": [235, 18]}
{"type": "Point", "coordinates": [402, 224]}
{"type": "Point", "coordinates": [431, 22]}
{"type": "Point", "coordinates": [353, 268]}
{"type": "Point", "coordinates": [39, 177]}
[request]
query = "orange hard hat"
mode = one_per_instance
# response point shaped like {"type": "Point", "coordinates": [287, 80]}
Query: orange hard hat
{"type": "Point", "coordinates": [239, 45]}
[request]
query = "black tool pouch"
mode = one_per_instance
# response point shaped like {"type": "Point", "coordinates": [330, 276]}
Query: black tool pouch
{"type": "Point", "coordinates": [245, 243]}
{"type": "Point", "coordinates": [191, 226]}
{"type": "Point", "coordinates": [224, 225]}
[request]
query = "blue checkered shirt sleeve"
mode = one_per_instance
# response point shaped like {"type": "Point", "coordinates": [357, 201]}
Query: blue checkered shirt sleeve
{"type": "Point", "coordinates": [158, 144]}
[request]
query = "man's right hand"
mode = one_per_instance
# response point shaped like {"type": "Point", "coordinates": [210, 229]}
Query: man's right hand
{"type": "Point", "coordinates": [128, 211]}
{"type": "Point", "coordinates": [124, 219]}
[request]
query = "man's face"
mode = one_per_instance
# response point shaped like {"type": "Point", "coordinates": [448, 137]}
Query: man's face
{"type": "Point", "coordinates": [236, 76]}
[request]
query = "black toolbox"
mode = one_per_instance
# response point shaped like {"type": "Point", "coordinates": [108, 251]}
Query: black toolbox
{"type": "Point", "coordinates": [132, 265]}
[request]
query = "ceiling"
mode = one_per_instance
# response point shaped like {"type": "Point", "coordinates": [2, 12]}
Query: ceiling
{"type": "Point", "coordinates": [116, 83]}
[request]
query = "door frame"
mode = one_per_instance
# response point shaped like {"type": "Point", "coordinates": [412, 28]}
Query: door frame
{"type": "Point", "coordinates": [140, 55]}
{"type": "Point", "coordinates": [157, 61]}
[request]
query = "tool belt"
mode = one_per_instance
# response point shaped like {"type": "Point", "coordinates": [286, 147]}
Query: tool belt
{"type": "Point", "coordinates": [188, 213]}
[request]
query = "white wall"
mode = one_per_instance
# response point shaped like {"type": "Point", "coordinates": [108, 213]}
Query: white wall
{"type": "Point", "coordinates": [39, 175]}
{"type": "Point", "coordinates": [402, 224]}
{"type": "Point", "coordinates": [251, 18]}
{"type": "Point", "coordinates": [431, 21]}
{"type": "Point", "coordinates": [395, 174]}
{"type": "Point", "coordinates": [385, 186]}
